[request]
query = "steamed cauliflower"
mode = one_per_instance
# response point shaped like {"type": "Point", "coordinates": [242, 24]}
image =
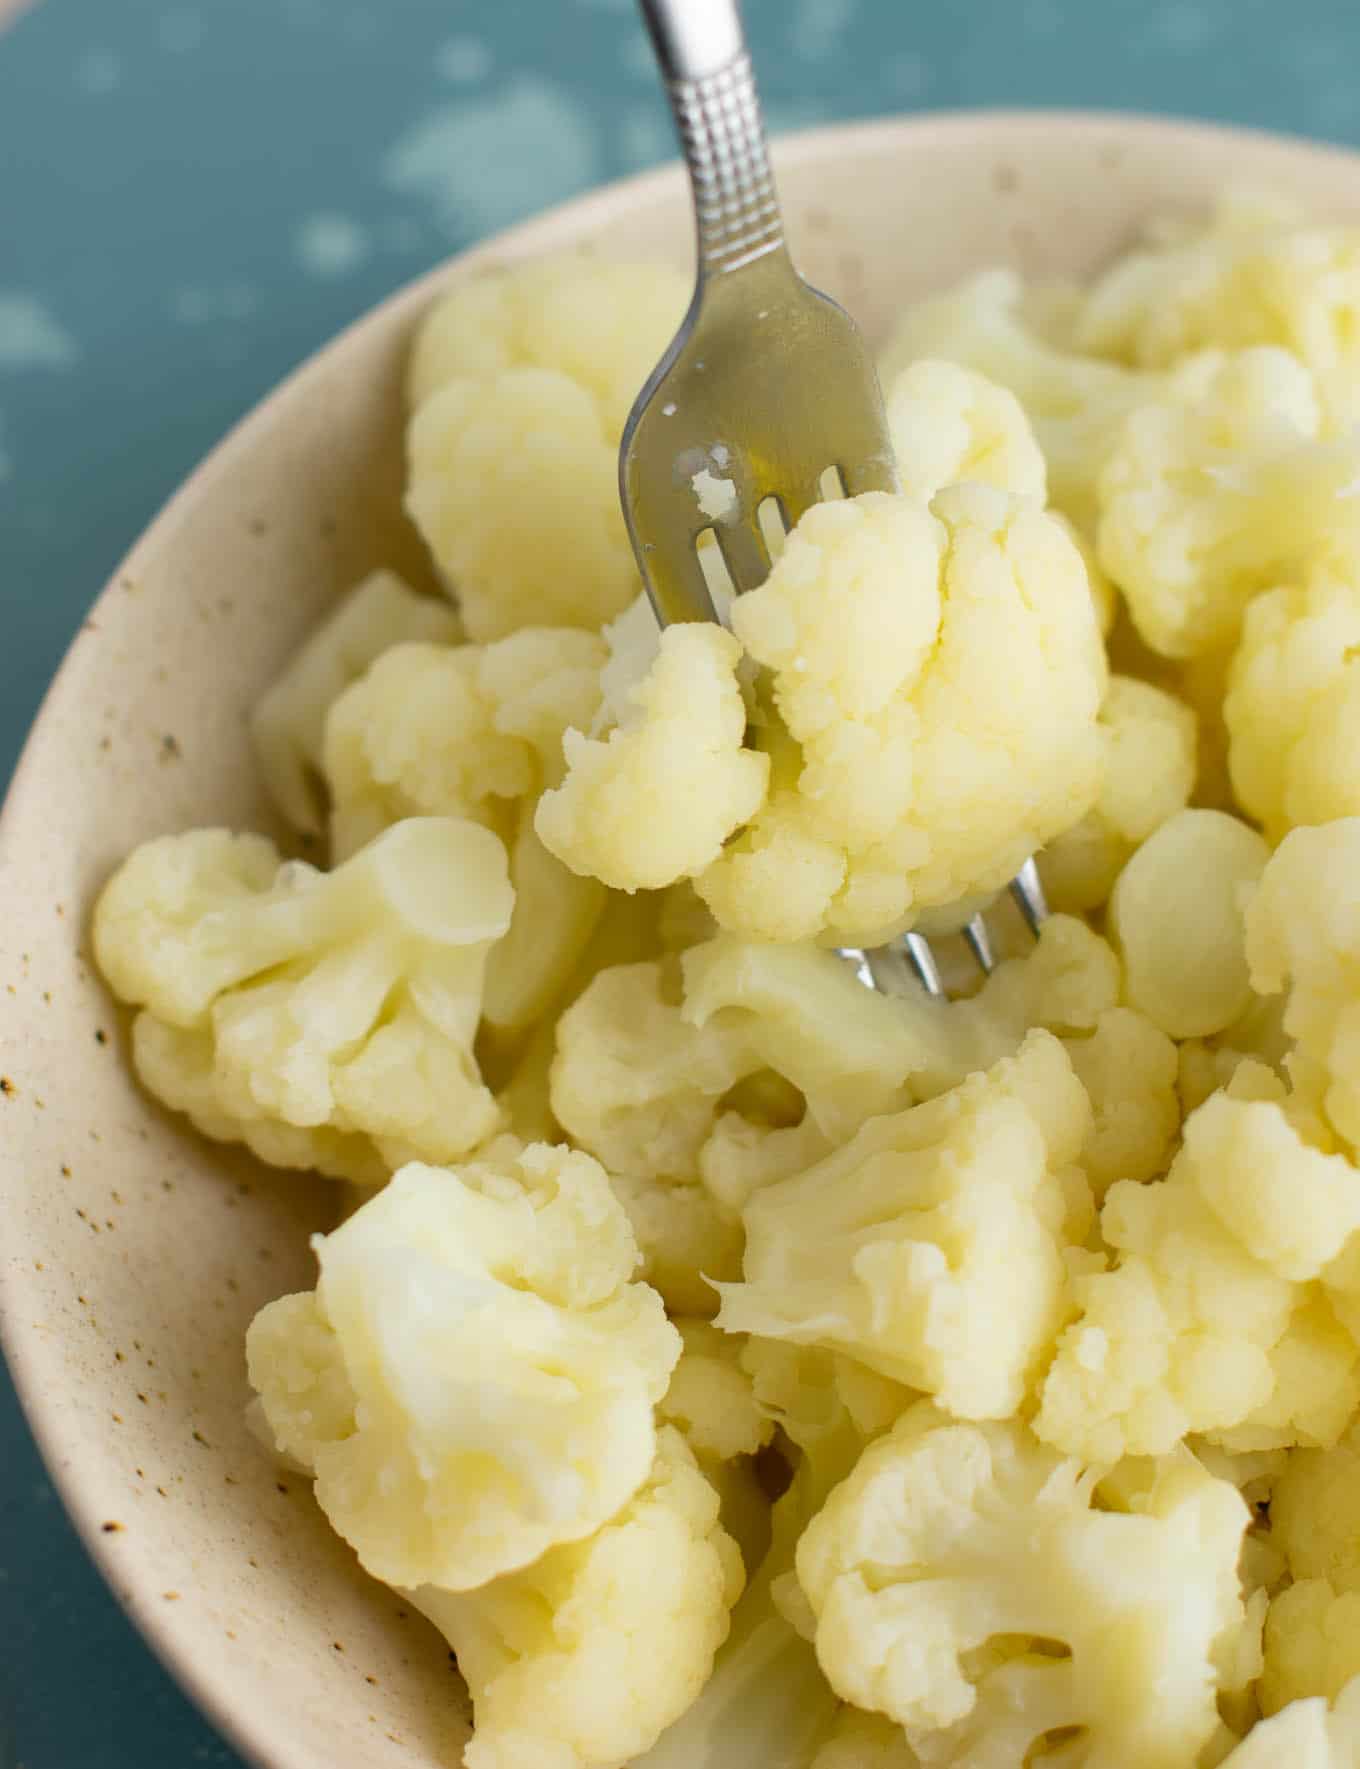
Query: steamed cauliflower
{"type": "Point", "coordinates": [324, 1020]}
{"type": "Point", "coordinates": [473, 1380]}
{"type": "Point", "coordinates": [949, 423]}
{"type": "Point", "coordinates": [964, 1585]}
{"type": "Point", "coordinates": [1218, 1314]}
{"type": "Point", "coordinates": [1176, 915]}
{"type": "Point", "coordinates": [288, 724]}
{"type": "Point", "coordinates": [1293, 706]}
{"type": "Point", "coordinates": [1303, 931]}
{"type": "Point", "coordinates": [931, 1246]}
{"type": "Point", "coordinates": [1149, 738]}
{"type": "Point", "coordinates": [581, 1659]}
{"type": "Point", "coordinates": [520, 386]}
{"type": "Point", "coordinates": [1254, 272]}
{"type": "Point", "coordinates": [1075, 404]}
{"type": "Point", "coordinates": [656, 800]}
{"type": "Point", "coordinates": [1219, 492]}
{"type": "Point", "coordinates": [476, 731]}
{"type": "Point", "coordinates": [941, 675]}
{"type": "Point", "coordinates": [1031, 1406]}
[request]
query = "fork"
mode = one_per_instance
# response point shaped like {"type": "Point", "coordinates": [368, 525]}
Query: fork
{"type": "Point", "coordinates": [766, 401]}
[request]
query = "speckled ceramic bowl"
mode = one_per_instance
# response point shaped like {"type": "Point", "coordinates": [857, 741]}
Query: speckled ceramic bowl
{"type": "Point", "coordinates": [133, 1254]}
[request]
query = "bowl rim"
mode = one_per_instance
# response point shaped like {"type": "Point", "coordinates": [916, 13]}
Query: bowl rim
{"type": "Point", "coordinates": [22, 1351]}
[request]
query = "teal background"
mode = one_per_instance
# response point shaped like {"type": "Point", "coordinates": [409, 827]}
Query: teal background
{"type": "Point", "coordinates": [194, 194]}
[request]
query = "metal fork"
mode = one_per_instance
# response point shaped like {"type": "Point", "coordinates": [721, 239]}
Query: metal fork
{"type": "Point", "coordinates": [766, 401]}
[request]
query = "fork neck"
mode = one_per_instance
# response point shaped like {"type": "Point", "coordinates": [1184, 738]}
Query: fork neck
{"type": "Point", "coordinates": [702, 51]}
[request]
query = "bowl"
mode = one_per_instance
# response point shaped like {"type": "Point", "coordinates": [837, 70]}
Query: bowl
{"type": "Point", "coordinates": [134, 1253]}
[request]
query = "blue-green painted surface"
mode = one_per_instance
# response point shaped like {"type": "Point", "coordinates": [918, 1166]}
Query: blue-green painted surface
{"type": "Point", "coordinates": [196, 193]}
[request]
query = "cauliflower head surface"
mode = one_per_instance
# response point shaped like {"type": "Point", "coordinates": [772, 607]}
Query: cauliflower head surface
{"type": "Point", "coordinates": [324, 1019]}
{"type": "Point", "coordinates": [964, 1584]}
{"type": "Point", "coordinates": [473, 1380]}
{"type": "Point", "coordinates": [581, 1659]}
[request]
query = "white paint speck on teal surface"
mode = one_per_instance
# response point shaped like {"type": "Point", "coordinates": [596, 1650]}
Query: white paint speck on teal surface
{"type": "Point", "coordinates": [464, 60]}
{"type": "Point", "coordinates": [330, 245]}
{"type": "Point", "coordinates": [819, 26]}
{"type": "Point", "coordinates": [488, 161]}
{"type": "Point", "coordinates": [99, 71]}
{"type": "Point", "coordinates": [31, 335]}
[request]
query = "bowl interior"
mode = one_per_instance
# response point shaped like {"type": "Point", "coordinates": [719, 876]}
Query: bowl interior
{"type": "Point", "coordinates": [134, 1254]}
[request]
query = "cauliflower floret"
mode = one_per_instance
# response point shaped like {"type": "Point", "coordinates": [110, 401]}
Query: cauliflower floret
{"type": "Point", "coordinates": [1303, 928]}
{"type": "Point", "coordinates": [580, 1660]}
{"type": "Point", "coordinates": [633, 641]}
{"type": "Point", "coordinates": [1130, 1071]}
{"type": "Point", "coordinates": [473, 1379]}
{"type": "Point", "coordinates": [711, 1398]}
{"type": "Point", "coordinates": [520, 385]}
{"type": "Point", "coordinates": [767, 1702]}
{"type": "Point", "coordinates": [289, 721]}
{"type": "Point", "coordinates": [1293, 706]}
{"type": "Point", "coordinates": [865, 1741]}
{"type": "Point", "coordinates": [1218, 493]}
{"type": "Point", "coordinates": [1305, 1736]}
{"type": "Point", "coordinates": [656, 800]}
{"type": "Point", "coordinates": [513, 484]}
{"type": "Point", "coordinates": [941, 674]}
{"type": "Point", "coordinates": [1253, 273]}
{"type": "Point", "coordinates": [604, 324]}
{"type": "Point", "coordinates": [1150, 741]}
{"type": "Point", "coordinates": [1217, 1316]}
{"type": "Point", "coordinates": [636, 1083]}
{"type": "Point", "coordinates": [476, 731]}
{"type": "Point", "coordinates": [1315, 1513]}
{"type": "Point", "coordinates": [1075, 405]}
{"type": "Point", "coordinates": [941, 1572]}
{"type": "Point", "coordinates": [1176, 916]}
{"type": "Point", "coordinates": [949, 423]}
{"type": "Point", "coordinates": [1312, 1644]}
{"type": "Point", "coordinates": [930, 1247]}
{"type": "Point", "coordinates": [456, 730]}
{"type": "Point", "coordinates": [686, 1239]}
{"type": "Point", "coordinates": [805, 1015]}
{"type": "Point", "coordinates": [322, 1019]}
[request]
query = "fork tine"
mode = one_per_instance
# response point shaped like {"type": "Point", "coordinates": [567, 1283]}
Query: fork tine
{"type": "Point", "coordinates": [744, 551]}
{"type": "Point", "coordinates": [871, 473]}
{"type": "Point", "coordinates": [1028, 892]}
{"type": "Point", "coordinates": [675, 580]}
{"type": "Point", "coordinates": [980, 944]}
{"type": "Point", "coordinates": [922, 961]}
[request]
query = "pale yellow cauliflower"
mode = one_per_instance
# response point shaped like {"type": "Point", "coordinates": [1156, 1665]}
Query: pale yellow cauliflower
{"type": "Point", "coordinates": [288, 725]}
{"type": "Point", "coordinates": [1217, 1315]}
{"type": "Point", "coordinates": [476, 731]}
{"type": "Point", "coordinates": [1220, 491]}
{"type": "Point", "coordinates": [655, 800]}
{"type": "Point", "coordinates": [1253, 272]}
{"type": "Point", "coordinates": [1303, 932]}
{"type": "Point", "coordinates": [1293, 706]}
{"type": "Point", "coordinates": [520, 383]}
{"type": "Point", "coordinates": [1312, 1637]}
{"type": "Point", "coordinates": [1306, 1735]}
{"type": "Point", "coordinates": [958, 1560]}
{"type": "Point", "coordinates": [931, 1246]}
{"type": "Point", "coordinates": [323, 1019]}
{"type": "Point", "coordinates": [941, 673]}
{"type": "Point", "coordinates": [1074, 403]}
{"type": "Point", "coordinates": [949, 423]}
{"type": "Point", "coordinates": [580, 1660]}
{"type": "Point", "coordinates": [1176, 916]}
{"type": "Point", "coordinates": [1149, 739]}
{"type": "Point", "coordinates": [473, 1379]}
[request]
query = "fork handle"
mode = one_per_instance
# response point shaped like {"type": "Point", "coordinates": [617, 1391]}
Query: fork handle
{"type": "Point", "coordinates": [701, 50]}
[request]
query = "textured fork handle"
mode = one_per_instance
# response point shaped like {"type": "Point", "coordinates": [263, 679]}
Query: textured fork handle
{"type": "Point", "coordinates": [701, 49]}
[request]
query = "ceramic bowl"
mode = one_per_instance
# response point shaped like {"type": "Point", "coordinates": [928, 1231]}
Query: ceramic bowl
{"type": "Point", "coordinates": [133, 1253]}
